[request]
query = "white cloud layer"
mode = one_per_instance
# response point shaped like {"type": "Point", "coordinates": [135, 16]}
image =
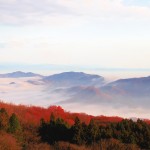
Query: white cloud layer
{"type": "Point", "coordinates": [59, 11]}
{"type": "Point", "coordinates": [108, 33]}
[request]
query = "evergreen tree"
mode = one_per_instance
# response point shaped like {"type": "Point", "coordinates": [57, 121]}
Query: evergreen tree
{"type": "Point", "coordinates": [77, 131]}
{"type": "Point", "coordinates": [52, 118]}
{"type": "Point", "coordinates": [93, 132]}
{"type": "Point", "coordinates": [84, 133]}
{"type": "Point", "coordinates": [14, 124]}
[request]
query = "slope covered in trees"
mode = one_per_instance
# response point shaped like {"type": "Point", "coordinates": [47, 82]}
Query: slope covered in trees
{"type": "Point", "coordinates": [29, 128]}
{"type": "Point", "coordinates": [33, 114]}
{"type": "Point", "coordinates": [133, 134]}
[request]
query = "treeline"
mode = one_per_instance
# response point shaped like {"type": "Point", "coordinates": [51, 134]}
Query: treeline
{"type": "Point", "coordinates": [10, 124]}
{"type": "Point", "coordinates": [14, 135]}
{"type": "Point", "coordinates": [33, 114]}
{"type": "Point", "coordinates": [10, 130]}
{"type": "Point", "coordinates": [126, 131]}
{"type": "Point", "coordinates": [56, 133]}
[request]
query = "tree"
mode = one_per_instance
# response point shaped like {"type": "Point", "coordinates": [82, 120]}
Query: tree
{"type": "Point", "coordinates": [4, 119]}
{"type": "Point", "coordinates": [93, 131]}
{"type": "Point", "coordinates": [77, 132]}
{"type": "Point", "coordinates": [52, 118]}
{"type": "Point", "coordinates": [14, 124]}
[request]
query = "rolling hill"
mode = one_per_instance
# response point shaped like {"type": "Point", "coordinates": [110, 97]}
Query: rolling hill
{"type": "Point", "coordinates": [70, 79]}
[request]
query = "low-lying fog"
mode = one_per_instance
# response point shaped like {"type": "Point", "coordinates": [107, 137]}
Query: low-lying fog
{"type": "Point", "coordinates": [22, 91]}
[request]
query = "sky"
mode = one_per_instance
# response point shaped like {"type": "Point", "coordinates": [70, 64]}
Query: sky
{"type": "Point", "coordinates": [104, 33]}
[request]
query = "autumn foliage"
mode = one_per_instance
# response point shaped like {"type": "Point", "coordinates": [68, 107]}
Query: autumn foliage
{"type": "Point", "coordinates": [33, 114]}
{"type": "Point", "coordinates": [52, 128]}
{"type": "Point", "coordinates": [8, 142]}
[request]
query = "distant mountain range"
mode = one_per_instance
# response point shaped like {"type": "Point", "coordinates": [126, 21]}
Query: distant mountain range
{"type": "Point", "coordinates": [19, 74]}
{"type": "Point", "coordinates": [79, 86]}
{"type": "Point", "coordinates": [82, 89]}
{"type": "Point", "coordinates": [132, 86]}
{"type": "Point", "coordinates": [75, 82]}
{"type": "Point", "coordinates": [70, 79]}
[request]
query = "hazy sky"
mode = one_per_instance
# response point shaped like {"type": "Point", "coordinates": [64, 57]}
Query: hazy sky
{"type": "Point", "coordinates": [104, 33]}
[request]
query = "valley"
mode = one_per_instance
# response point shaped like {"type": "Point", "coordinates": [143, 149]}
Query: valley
{"type": "Point", "coordinates": [79, 92]}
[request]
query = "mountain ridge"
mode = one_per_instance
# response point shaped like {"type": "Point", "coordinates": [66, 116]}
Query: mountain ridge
{"type": "Point", "coordinates": [19, 74]}
{"type": "Point", "coordinates": [66, 79]}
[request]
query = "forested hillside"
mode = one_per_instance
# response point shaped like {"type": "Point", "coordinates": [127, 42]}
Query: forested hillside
{"type": "Point", "coordinates": [36, 128]}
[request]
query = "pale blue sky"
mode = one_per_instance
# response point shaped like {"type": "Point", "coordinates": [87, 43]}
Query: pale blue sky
{"type": "Point", "coordinates": [105, 33]}
{"type": "Point", "coordinates": [137, 2]}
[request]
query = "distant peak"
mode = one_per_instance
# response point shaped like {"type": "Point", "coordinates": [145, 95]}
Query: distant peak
{"type": "Point", "coordinates": [18, 74]}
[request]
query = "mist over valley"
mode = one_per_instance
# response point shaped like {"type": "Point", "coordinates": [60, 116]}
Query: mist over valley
{"type": "Point", "coordinates": [79, 92]}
